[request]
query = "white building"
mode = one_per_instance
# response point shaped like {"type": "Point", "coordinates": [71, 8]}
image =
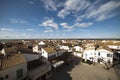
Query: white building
{"type": "Point", "coordinates": [115, 46]}
{"type": "Point", "coordinates": [99, 55]}
{"type": "Point", "coordinates": [13, 67]}
{"type": "Point", "coordinates": [42, 43]}
{"type": "Point", "coordinates": [78, 51]}
{"type": "Point", "coordinates": [78, 48]}
{"type": "Point", "coordinates": [65, 47]}
{"type": "Point", "coordinates": [49, 52]}
{"type": "Point", "coordinates": [26, 64]}
{"type": "Point", "coordinates": [35, 47]}
{"type": "Point", "coordinates": [105, 54]}
{"type": "Point", "coordinates": [37, 65]}
{"type": "Point", "coordinates": [88, 53]}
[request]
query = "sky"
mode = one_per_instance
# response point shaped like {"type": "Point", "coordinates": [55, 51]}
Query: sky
{"type": "Point", "coordinates": [39, 19]}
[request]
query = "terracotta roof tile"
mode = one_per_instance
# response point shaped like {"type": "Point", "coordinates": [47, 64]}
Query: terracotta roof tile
{"type": "Point", "coordinates": [50, 49]}
{"type": "Point", "coordinates": [11, 61]}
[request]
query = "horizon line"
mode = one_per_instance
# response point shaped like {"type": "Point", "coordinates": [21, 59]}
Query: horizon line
{"type": "Point", "coordinates": [62, 38]}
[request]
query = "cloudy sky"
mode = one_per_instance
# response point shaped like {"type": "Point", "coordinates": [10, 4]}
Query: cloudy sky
{"type": "Point", "coordinates": [59, 19]}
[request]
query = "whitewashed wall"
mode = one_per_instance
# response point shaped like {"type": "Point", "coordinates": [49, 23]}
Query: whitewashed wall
{"type": "Point", "coordinates": [3, 51]}
{"type": "Point", "coordinates": [103, 54]}
{"type": "Point", "coordinates": [44, 53]}
{"type": "Point", "coordinates": [41, 43]}
{"type": "Point", "coordinates": [87, 54]}
{"type": "Point", "coordinates": [35, 48]}
{"type": "Point", "coordinates": [64, 47]}
{"type": "Point", "coordinates": [11, 72]}
{"type": "Point", "coordinates": [78, 48]}
{"type": "Point", "coordinates": [114, 47]}
{"type": "Point", "coordinates": [78, 54]}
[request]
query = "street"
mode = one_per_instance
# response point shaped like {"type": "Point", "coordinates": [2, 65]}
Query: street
{"type": "Point", "coordinates": [83, 71]}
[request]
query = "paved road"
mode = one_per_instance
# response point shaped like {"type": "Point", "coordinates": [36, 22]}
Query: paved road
{"type": "Point", "coordinates": [77, 71]}
{"type": "Point", "coordinates": [117, 71]}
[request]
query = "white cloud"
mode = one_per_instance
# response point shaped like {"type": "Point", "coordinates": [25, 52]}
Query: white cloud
{"type": "Point", "coordinates": [67, 30]}
{"type": "Point", "coordinates": [101, 17]}
{"type": "Point", "coordinates": [17, 21]}
{"type": "Point", "coordinates": [63, 13]}
{"type": "Point", "coordinates": [24, 22]}
{"type": "Point", "coordinates": [47, 18]}
{"type": "Point", "coordinates": [84, 30]}
{"type": "Point", "coordinates": [104, 17]}
{"type": "Point", "coordinates": [65, 25]}
{"type": "Point", "coordinates": [31, 2]}
{"type": "Point", "coordinates": [4, 34]}
{"type": "Point", "coordinates": [73, 5]}
{"type": "Point", "coordinates": [49, 30]}
{"type": "Point", "coordinates": [104, 9]}
{"type": "Point", "coordinates": [13, 21]}
{"type": "Point", "coordinates": [50, 4]}
{"type": "Point", "coordinates": [30, 29]}
{"type": "Point", "coordinates": [49, 23]}
{"type": "Point", "coordinates": [101, 12]}
{"type": "Point", "coordinates": [83, 24]}
{"type": "Point", "coordinates": [84, 9]}
{"type": "Point", "coordinates": [6, 29]}
{"type": "Point", "coordinates": [78, 18]}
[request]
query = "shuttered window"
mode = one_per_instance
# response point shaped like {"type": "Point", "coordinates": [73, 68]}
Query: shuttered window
{"type": "Point", "coordinates": [19, 73]}
{"type": "Point", "coordinates": [108, 55]}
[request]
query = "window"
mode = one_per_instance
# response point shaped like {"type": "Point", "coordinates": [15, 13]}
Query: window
{"type": "Point", "coordinates": [94, 53]}
{"type": "Point", "coordinates": [99, 54]}
{"type": "Point", "coordinates": [108, 55]}
{"type": "Point", "coordinates": [19, 73]}
{"type": "Point", "coordinates": [118, 47]}
{"type": "Point", "coordinates": [51, 57]}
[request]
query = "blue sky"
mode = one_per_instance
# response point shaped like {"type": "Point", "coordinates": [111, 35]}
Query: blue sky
{"type": "Point", "coordinates": [21, 19]}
